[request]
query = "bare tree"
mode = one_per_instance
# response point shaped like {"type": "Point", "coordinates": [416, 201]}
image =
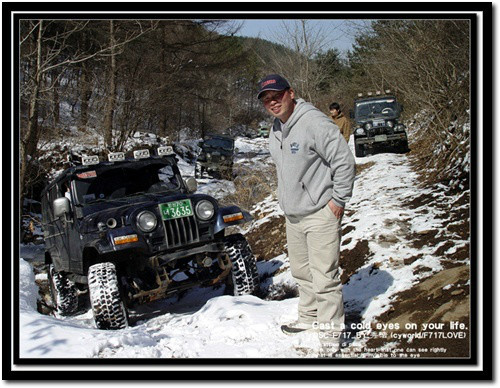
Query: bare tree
{"type": "Point", "coordinates": [306, 40]}
{"type": "Point", "coordinates": [111, 99]}
{"type": "Point", "coordinates": [48, 49]}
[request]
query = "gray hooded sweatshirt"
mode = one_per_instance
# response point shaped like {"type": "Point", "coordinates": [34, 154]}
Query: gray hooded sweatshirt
{"type": "Point", "coordinates": [313, 161]}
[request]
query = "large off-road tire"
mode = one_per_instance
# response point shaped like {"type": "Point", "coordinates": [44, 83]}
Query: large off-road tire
{"type": "Point", "coordinates": [105, 298]}
{"type": "Point", "coordinates": [244, 275]}
{"type": "Point", "coordinates": [359, 150]}
{"type": "Point", "coordinates": [63, 292]}
{"type": "Point", "coordinates": [403, 147]}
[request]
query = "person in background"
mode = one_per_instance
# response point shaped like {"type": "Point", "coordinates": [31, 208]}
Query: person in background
{"type": "Point", "coordinates": [315, 170]}
{"type": "Point", "coordinates": [341, 121]}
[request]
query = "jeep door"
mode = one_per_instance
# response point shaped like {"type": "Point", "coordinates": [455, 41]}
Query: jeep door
{"type": "Point", "coordinates": [55, 233]}
{"type": "Point", "coordinates": [72, 235]}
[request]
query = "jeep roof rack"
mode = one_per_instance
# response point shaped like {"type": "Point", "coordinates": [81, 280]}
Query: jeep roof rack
{"type": "Point", "coordinates": [376, 94]}
{"type": "Point", "coordinates": [89, 160]}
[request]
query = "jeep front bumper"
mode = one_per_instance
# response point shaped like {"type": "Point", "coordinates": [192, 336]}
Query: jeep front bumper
{"type": "Point", "coordinates": [384, 138]}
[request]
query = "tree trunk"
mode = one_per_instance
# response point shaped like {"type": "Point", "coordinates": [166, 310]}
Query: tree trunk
{"type": "Point", "coordinates": [30, 140]}
{"type": "Point", "coordinates": [55, 96]}
{"type": "Point", "coordinates": [85, 95]}
{"type": "Point", "coordinates": [110, 106]}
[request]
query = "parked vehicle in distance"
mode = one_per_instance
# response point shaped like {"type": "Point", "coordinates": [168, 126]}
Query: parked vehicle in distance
{"type": "Point", "coordinates": [378, 125]}
{"type": "Point", "coordinates": [216, 157]}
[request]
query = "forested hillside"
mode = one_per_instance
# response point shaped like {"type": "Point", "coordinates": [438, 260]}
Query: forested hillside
{"type": "Point", "coordinates": [115, 77]}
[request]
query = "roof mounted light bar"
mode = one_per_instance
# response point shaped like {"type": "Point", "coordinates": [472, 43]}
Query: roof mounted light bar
{"type": "Point", "coordinates": [120, 156]}
{"type": "Point", "coordinates": [141, 154]}
{"type": "Point", "coordinates": [90, 160]}
{"type": "Point", "coordinates": [378, 93]}
{"type": "Point", "coordinates": [163, 151]}
{"type": "Point", "coordinates": [116, 156]}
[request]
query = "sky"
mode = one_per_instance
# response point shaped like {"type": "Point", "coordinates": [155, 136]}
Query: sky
{"type": "Point", "coordinates": [338, 34]}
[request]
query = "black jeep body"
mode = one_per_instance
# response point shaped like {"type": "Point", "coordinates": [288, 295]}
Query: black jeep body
{"type": "Point", "coordinates": [133, 231]}
{"type": "Point", "coordinates": [215, 157]}
{"type": "Point", "coordinates": [378, 125]}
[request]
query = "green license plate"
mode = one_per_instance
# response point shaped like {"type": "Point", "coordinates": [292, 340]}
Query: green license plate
{"type": "Point", "coordinates": [176, 209]}
{"type": "Point", "coordinates": [381, 138]}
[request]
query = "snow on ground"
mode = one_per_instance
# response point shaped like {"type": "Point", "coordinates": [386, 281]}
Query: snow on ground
{"type": "Point", "coordinates": [205, 323]}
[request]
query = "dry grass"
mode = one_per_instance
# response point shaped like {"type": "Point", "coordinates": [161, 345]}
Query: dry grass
{"type": "Point", "coordinates": [252, 186]}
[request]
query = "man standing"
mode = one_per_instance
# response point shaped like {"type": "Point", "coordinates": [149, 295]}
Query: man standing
{"type": "Point", "coordinates": [341, 121]}
{"type": "Point", "coordinates": [316, 170]}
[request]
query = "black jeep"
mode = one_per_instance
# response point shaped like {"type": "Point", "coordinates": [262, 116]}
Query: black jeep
{"type": "Point", "coordinates": [130, 231]}
{"type": "Point", "coordinates": [216, 157]}
{"type": "Point", "coordinates": [378, 125]}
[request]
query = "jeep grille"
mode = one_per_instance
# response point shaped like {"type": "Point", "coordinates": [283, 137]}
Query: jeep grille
{"type": "Point", "coordinates": [379, 131]}
{"type": "Point", "coordinates": [181, 231]}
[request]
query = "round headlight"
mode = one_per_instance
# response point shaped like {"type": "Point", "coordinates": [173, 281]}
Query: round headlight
{"type": "Point", "coordinates": [390, 124]}
{"type": "Point", "coordinates": [368, 126]}
{"type": "Point", "coordinates": [204, 210]}
{"type": "Point", "coordinates": [146, 221]}
{"type": "Point", "coordinates": [360, 131]}
{"type": "Point", "coordinates": [209, 156]}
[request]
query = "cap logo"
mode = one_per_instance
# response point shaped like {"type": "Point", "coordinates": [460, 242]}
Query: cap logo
{"type": "Point", "coordinates": [265, 83]}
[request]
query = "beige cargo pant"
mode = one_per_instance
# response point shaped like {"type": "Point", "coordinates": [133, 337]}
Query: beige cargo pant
{"type": "Point", "coordinates": [314, 251]}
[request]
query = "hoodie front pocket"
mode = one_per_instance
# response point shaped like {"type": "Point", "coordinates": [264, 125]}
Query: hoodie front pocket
{"type": "Point", "coordinates": [304, 187]}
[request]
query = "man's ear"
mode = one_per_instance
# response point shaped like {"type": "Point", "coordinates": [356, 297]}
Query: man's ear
{"type": "Point", "coordinates": [292, 93]}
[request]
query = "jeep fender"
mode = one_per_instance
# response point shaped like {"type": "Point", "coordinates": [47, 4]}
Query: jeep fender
{"type": "Point", "coordinates": [224, 220]}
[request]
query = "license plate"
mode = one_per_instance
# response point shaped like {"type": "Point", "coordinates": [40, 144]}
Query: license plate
{"type": "Point", "coordinates": [381, 138]}
{"type": "Point", "coordinates": [176, 209]}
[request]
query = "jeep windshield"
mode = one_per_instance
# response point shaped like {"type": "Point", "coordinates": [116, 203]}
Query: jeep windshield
{"type": "Point", "coordinates": [384, 107]}
{"type": "Point", "coordinates": [125, 181]}
{"type": "Point", "coordinates": [226, 144]}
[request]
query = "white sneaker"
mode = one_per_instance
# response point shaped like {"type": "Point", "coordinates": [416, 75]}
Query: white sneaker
{"type": "Point", "coordinates": [296, 327]}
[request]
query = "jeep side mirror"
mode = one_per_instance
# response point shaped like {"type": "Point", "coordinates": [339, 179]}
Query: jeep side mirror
{"type": "Point", "coordinates": [191, 184]}
{"type": "Point", "coordinates": [61, 207]}
{"type": "Point", "coordinates": [351, 114]}
{"type": "Point", "coordinates": [401, 108]}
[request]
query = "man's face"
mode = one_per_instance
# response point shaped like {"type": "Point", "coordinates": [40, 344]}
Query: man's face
{"type": "Point", "coordinates": [280, 104]}
{"type": "Point", "coordinates": [334, 112]}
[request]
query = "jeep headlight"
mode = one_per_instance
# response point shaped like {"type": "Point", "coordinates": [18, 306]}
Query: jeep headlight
{"type": "Point", "coordinates": [222, 157]}
{"type": "Point", "coordinates": [390, 124]}
{"type": "Point", "coordinates": [146, 221]}
{"type": "Point", "coordinates": [204, 210]}
{"type": "Point", "coordinates": [209, 156]}
{"type": "Point", "coordinates": [360, 131]}
{"type": "Point", "coordinates": [368, 126]}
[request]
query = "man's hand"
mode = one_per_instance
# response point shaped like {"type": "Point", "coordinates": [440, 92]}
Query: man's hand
{"type": "Point", "coordinates": [336, 210]}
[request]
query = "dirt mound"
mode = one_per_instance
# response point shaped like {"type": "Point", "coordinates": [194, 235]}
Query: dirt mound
{"type": "Point", "coordinates": [268, 240]}
{"type": "Point", "coordinates": [438, 300]}
{"type": "Point", "coordinates": [353, 259]}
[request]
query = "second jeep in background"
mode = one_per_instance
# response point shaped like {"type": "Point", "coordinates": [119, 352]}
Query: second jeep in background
{"type": "Point", "coordinates": [216, 157]}
{"type": "Point", "coordinates": [378, 124]}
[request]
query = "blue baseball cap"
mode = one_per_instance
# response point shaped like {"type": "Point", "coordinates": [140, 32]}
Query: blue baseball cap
{"type": "Point", "coordinates": [272, 82]}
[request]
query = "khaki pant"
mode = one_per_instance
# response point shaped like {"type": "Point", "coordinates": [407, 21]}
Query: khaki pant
{"type": "Point", "coordinates": [314, 250]}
